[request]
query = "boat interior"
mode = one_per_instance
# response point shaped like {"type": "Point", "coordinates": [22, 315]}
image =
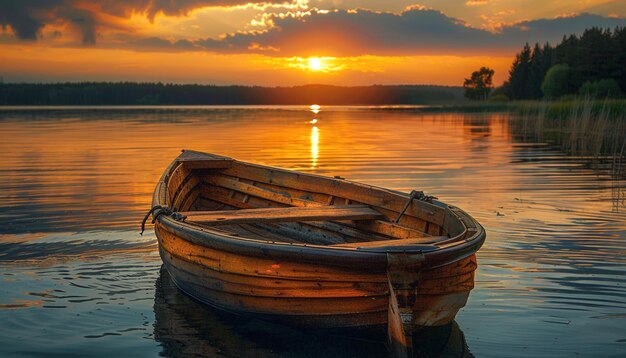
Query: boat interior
{"type": "Point", "coordinates": [270, 204]}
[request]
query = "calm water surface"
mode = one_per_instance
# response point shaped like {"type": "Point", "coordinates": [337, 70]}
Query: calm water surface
{"type": "Point", "coordinates": [76, 278]}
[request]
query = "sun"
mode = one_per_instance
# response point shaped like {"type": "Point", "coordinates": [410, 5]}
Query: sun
{"type": "Point", "coordinates": [315, 64]}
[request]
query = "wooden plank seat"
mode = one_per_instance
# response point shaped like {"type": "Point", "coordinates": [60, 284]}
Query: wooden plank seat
{"type": "Point", "coordinates": [396, 244]}
{"type": "Point", "coordinates": [374, 226]}
{"type": "Point", "coordinates": [264, 215]}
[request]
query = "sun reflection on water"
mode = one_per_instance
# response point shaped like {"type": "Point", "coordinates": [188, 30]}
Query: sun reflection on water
{"type": "Point", "coordinates": [315, 140]}
{"type": "Point", "coordinates": [315, 108]}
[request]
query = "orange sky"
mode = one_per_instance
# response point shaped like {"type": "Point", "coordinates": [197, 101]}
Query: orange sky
{"type": "Point", "coordinates": [285, 43]}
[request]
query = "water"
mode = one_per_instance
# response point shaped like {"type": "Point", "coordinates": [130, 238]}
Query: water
{"type": "Point", "coordinates": [76, 279]}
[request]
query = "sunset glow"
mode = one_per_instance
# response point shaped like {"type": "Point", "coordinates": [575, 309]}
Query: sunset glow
{"type": "Point", "coordinates": [38, 63]}
{"type": "Point", "coordinates": [315, 64]}
{"type": "Point", "coordinates": [280, 43]}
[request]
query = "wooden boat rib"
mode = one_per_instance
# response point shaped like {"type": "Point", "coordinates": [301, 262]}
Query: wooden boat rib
{"type": "Point", "coordinates": [312, 251]}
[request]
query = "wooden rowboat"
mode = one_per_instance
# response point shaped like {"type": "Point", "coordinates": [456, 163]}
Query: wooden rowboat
{"type": "Point", "coordinates": [313, 251]}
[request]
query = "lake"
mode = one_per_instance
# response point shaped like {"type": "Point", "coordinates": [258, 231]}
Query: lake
{"type": "Point", "coordinates": [77, 278]}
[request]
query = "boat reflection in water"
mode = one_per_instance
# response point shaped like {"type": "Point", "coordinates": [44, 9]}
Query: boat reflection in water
{"type": "Point", "coordinates": [186, 328]}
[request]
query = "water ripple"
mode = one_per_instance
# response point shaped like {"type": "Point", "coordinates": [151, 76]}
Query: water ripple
{"type": "Point", "coordinates": [74, 185]}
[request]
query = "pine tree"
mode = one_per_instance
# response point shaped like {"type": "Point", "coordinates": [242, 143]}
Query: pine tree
{"type": "Point", "coordinates": [596, 55]}
{"type": "Point", "coordinates": [619, 57]}
{"type": "Point", "coordinates": [536, 72]}
{"type": "Point", "coordinates": [519, 87]}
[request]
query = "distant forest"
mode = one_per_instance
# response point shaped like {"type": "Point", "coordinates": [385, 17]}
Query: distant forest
{"type": "Point", "coordinates": [128, 93]}
{"type": "Point", "coordinates": [593, 63]}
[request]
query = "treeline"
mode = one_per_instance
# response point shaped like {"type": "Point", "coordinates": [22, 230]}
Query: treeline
{"type": "Point", "coordinates": [593, 63]}
{"type": "Point", "coordinates": [128, 93]}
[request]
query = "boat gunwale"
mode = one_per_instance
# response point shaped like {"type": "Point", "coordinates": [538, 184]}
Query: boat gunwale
{"type": "Point", "coordinates": [453, 250]}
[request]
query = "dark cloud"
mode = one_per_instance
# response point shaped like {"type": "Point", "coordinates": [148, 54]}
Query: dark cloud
{"type": "Point", "coordinates": [218, 45]}
{"type": "Point", "coordinates": [156, 43]}
{"type": "Point", "coordinates": [28, 17]}
{"type": "Point", "coordinates": [413, 32]}
{"type": "Point", "coordinates": [167, 7]}
{"type": "Point", "coordinates": [81, 19]}
{"type": "Point", "coordinates": [553, 29]}
{"type": "Point", "coordinates": [360, 32]}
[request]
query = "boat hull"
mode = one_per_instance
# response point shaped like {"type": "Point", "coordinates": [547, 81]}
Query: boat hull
{"type": "Point", "coordinates": [306, 293]}
{"type": "Point", "coordinates": [312, 251]}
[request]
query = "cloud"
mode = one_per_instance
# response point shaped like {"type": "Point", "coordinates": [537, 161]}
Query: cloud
{"type": "Point", "coordinates": [155, 43]}
{"type": "Point", "coordinates": [28, 17]}
{"type": "Point", "coordinates": [476, 2]}
{"type": "Point", "coordinates": [168, 7]}
{"type": "Point", "coordinates": [81, 19]}
{"type": "Point", "coordinates": [360, 32]}
{"type": "Point", "coordinates": [416, 31]}
{"type": "Point", "coordinates": [552, 30]}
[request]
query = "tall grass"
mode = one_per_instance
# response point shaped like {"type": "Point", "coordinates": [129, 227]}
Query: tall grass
{"type": "Point", "coordinates": [581, 127]}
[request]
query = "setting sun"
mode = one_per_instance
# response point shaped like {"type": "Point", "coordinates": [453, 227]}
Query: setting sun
{"type": "Point", "coordinates": [315, 64]}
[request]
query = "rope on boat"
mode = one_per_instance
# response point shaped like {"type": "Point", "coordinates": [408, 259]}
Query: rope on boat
{"type": "Point", "coordinates": [415, 194]}
{"type": "Point", "coordinates": [157, 211]}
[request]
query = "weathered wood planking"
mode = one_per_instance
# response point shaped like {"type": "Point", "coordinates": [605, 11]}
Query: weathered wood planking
{"type": "Point", "coordinates": [187, 195]}
{"type": "Point", "coordinates": [379, 227]}
{"type": "Point", "coordinates": [332, 311]}
{"type": "Point", "coordinates": [321, 198]}
{"type": "Point", "coordinates": [219, 261]}
{"type": "Point", "coordinates": [309, 250]}
{"type": "Point", "coordinates": [226, 277]}
{"type": "Point", "coordinates": [347, 212]}
{"type": "Point", "coordinates": [175, 181]}
{"type": "Point", "coordinates": [341, 230]}
{"type": "Point", "coordinates": [224, 281]}
{"type": "Point", "coordinates": [288, 305]}
{"type": "Point", "coordinates": [297, 197]}
{"type": "Point", "coordinates": [278, 288]}
{"type": "Point", "coordinates": [300, 232]}
{"type": "Point", "coordinates": [341, 188]}
{"type": "Point", "coordinates": [198, 160]}
{"type": "Point", "coordinates": [255, 266]}
{"type": "Point", "coordinates": [392, 243]}
{"type": "Point", "coordinates": [279, 197]}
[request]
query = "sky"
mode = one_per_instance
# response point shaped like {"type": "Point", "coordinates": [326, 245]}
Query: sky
{"type": "Point", "coordinates": [282, 42]}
